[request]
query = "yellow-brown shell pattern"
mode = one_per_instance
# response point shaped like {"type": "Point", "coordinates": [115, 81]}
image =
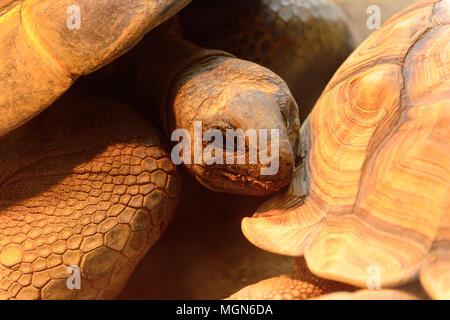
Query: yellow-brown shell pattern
{"type": "Point", "coordinates": [378, 169]}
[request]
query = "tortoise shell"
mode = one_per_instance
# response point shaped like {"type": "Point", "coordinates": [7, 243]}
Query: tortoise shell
{"type": "Point", "coordinates": [373, 190]}
{"type": "Point", "coordinates": [42, 56]}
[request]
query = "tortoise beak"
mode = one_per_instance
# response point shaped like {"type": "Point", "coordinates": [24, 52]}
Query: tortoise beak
{"type": "Point", "coordinates": [252, 112]}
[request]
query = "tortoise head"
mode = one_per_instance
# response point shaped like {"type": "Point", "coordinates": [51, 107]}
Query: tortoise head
{"type": "Point", "coordinates": [242, 124]}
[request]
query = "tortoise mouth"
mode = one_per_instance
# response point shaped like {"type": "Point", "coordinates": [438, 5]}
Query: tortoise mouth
{"type": "Point", "coordinates": [228, 182]}
{"type": "Point", "coordinates": [245, 179]}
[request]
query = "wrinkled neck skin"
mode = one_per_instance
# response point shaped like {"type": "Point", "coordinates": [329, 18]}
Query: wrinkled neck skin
{"type": "Point", "coordinates": [152, 68]}
{"type": "Point", "coordinates": [179, 84]}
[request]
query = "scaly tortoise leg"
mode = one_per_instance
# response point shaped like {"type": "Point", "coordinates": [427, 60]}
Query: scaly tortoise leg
{"type": "Point", "coordinates": [85, 184]}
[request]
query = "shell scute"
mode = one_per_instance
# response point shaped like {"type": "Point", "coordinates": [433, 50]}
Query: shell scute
{"type": "Point", "coordinates": [378, 165]}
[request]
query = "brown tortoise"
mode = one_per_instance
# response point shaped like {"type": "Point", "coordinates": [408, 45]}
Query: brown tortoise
{"type": "Point", "coordinates": [372, 194]}
{"type": "Point", "coordinates": [88, 182]}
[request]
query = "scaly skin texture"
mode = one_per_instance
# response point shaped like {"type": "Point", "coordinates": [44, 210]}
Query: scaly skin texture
{"type": "Point", "coordinates": [88, 184]}
{"type": "Point", "coordinates": [303, 41]}
{"type": "Point", "coordinates": [300, 285]}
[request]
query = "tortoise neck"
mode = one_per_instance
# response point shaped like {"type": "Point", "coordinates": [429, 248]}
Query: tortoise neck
{"type": "Point", "coordinates": [154, 67]}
